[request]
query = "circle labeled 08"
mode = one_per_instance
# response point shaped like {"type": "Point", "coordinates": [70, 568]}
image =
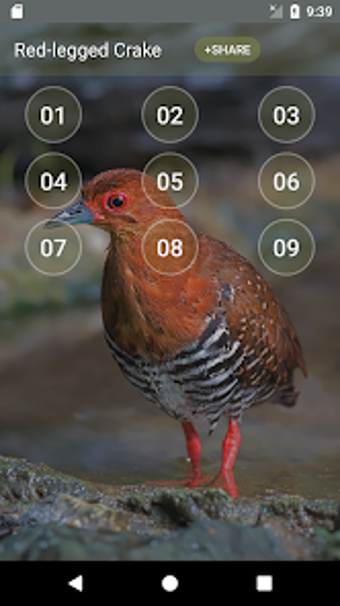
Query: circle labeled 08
{"type": "Point", "coordinates": [286, 247]}
{"type": "Point", "coordinates": [53, 180]}
{"type": "Point", "coordinates": [53, 252]}
{"type": "Point", "coordinates": [53, 114]}
{"type": "Point", "coordinates": [286, 180]}
{"type": "Point", "coordinates": [174, 175]}
{"type": "Point", "coordinates": [286, 114]}
{"type": "Point", "coordinates": [169, 114]}
{"type": "Point", "coordinates": [170, 246]}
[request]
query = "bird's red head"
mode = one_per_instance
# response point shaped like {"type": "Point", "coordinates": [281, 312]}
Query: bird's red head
{"type": "Point", "coordinates": [116, 201]}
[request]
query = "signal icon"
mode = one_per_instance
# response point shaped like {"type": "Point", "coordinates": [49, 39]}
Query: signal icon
{"type": "Point", "coordinates": [276, 11]}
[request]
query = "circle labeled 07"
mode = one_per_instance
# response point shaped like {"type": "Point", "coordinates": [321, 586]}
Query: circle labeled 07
{"type": "Point", "coordinates": [169, 114]}
{"type": "Point", "coordinates": [53, 180]}
{"type": "Point", "coordinates": [53, 114]}
{"type": "Point", "coordinates": [286, 180]}
{"type": "Point", "coordinates": [53, 253]}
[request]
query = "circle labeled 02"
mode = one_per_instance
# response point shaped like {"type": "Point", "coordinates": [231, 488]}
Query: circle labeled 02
{"type": "Point", "coordinates": [53, 252]}
{"type": "Point", "coordinates": [286, 180]}
{"type": "Point", "coordinates": [53, 114]}
{"type": "Point", "coordinates": [286, 247]}
{"type": "Point", "coordinates": [286, 114]}
{"type": "Point", "coordinates": [175, 175]}
{"type": "Point", "coordinates": [53, 180]}
{"type": "Point", "coordinates": [169, 114]}
{"type": "Point", "coordinates": [170, 246]}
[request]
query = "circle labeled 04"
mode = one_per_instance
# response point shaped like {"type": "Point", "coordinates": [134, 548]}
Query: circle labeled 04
{"type": "Point", "coordinates": [174, 175]}
{"type": "Point", "coordinates": [286, 114]}
{"type": "Point", "coordinates": [286, 247]}
{"type": "Point", "coordinates": [53, 252]}
{"type": "Point", "coordinates": [286, 180]}
{"type": "Point", "coordinates": [53, 114]}
{"type": "Point", "coordinates": [170, 246]}
{"type": "Point", "coordinates": [53, 180]}
{"type": "Point", "coordinates": [169, 114]}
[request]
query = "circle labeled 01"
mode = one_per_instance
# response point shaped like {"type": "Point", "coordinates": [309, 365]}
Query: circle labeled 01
{"type": "Point", "coordinates": [286, 114]}
{"type": "Point", "coordinates": [286, 180]}
{"type": "Point", "coordinates": [169, 114]}
{"type": "Point", "coordinates": [53, 252]}
{"type": "Point", "coordinates": [170, 246]}
{"type": "Point", "coordinates": [175, 175]}
{"type": "Point", "coordinates": [53, 114]}
{"type": "Point", "coordinates": [53, 180]}
{"type": "Point", "coordinates": [286, 247]}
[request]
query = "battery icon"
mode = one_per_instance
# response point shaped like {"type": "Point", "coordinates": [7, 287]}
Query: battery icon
{"type": "Point", "coordinates": [295, 11]}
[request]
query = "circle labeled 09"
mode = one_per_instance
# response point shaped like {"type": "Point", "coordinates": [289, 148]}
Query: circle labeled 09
{"type": "Point", "coordinates": [53, 114]}
{"type": "Point", "coordinates": [53, 252]}
{"type": "Point", "coordinates": [170, 246]}
{"type": "Point", "coordinates": [286, 247]}
{"type": "Point", "coordinates": [169, 114]}
{"type": "Point", "coordinates": [174, 175]}
{"type": "Point", "coordinates": [53, 180]}
{"type": "Point", "coordinates": [286, 180]}
{"type": "Point", "coordinates": [286, 114]}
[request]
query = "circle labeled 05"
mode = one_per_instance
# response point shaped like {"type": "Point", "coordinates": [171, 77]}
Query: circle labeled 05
{"type": "Point", "coordinates": [53, 252]}
{"type": "Point", "coordinates": [286, 180]}
{"type": "Point", "coordinates": [175, 175]}
{"type": "Point", "coordinates": [286, 247]}
{"type": "Point", "coordinates": [53, 114]}
{"type": "Point", "coordinates": [286, 114]}
{"type": "Point", "coordinates": [170, 246]}
{"type": "Point", "coordinates": [53, 180]}
{"type": "Point", "coordinates": [169, 114]}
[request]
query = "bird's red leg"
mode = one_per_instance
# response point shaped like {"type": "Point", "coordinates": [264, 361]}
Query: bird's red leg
{"type": "Point", "coordinates": [231, 444]}
{"type": "Point", "coordinates": [193, 444]}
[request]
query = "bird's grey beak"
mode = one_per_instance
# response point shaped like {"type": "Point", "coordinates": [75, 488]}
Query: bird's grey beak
{"type": "Point", "coordinates": [76, 213]}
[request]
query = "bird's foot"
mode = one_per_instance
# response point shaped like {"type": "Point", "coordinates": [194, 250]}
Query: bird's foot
{"type": "Point", "coordinates": [226, 480]}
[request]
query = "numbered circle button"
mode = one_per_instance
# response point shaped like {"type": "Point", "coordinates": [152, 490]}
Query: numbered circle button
{"type": "Point", "coordinates": [53, 253]}
{"type": "Point", "coordinates": [53, 114]}
{"type": "Point", "coordinates": [286, 247]}
{"type": "Point", "coordinates": [286, 180]}
{"type": "Point", "coordinates": [170, 246]}
{"type": "Point", "coordinates": [174, 175]}
{"type": "Point", "coordinates": [286, 114]}
{"type": "Point", "coordinates": [170, 114]}
{"type": "Point", "coordinates": [53, 180]}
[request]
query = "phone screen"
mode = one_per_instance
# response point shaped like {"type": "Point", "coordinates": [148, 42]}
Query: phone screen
{"type": "Point", "coordinates": [169, 251]}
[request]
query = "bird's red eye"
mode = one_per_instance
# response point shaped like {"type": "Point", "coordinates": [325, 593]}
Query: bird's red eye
{"type": "Point", "coordinates": [116, 201]}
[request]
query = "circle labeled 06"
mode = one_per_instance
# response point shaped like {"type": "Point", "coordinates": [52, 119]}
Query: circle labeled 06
{"type": "Point", "coordinates": [170, 246]}
{"type": "Point", "coordinates": [286, 180]}
{"type": "Point", "coordinates": [286, 114]}
{"type": "Point", "coordinates": [53, 180]}
{"type": "Point", "coordinates": [286, 247]}
{"type": "Point", "coordinates": [53, 114]}
{"type": "Point", "coordinates": [175, 175]}
{"type": "Point", "coordinates": [169, 114]}
{"type": "Point", "coordinates": [53, 252]}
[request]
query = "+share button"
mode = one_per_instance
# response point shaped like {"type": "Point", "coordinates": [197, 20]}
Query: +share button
{"type": "Point", "coordinates": [233, 49]}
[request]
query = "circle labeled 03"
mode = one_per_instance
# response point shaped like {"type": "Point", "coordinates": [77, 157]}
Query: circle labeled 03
{"type": "Point", "coordinates": [175, 175]}
{"type": "Point", "coordinates": [286, 180]}
{"type": "Point", "coordinates": [53, 114]}
{"type": "Point", "coordinates": [286, 247]}
{"type": "Point", "coordinates": [286, 114]}
{"type": "Point", "coordinates": [53, 252]}
{"type": "Point", "coordinates": [53, 180]}
{"type": "Point", "coordinates": [169, 114]}
{"type": "Point", "coordinates": [170, 246]}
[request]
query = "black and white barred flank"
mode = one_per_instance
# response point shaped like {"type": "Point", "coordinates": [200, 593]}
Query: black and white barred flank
{"type": "Point", "coordinates": [200, 381]}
